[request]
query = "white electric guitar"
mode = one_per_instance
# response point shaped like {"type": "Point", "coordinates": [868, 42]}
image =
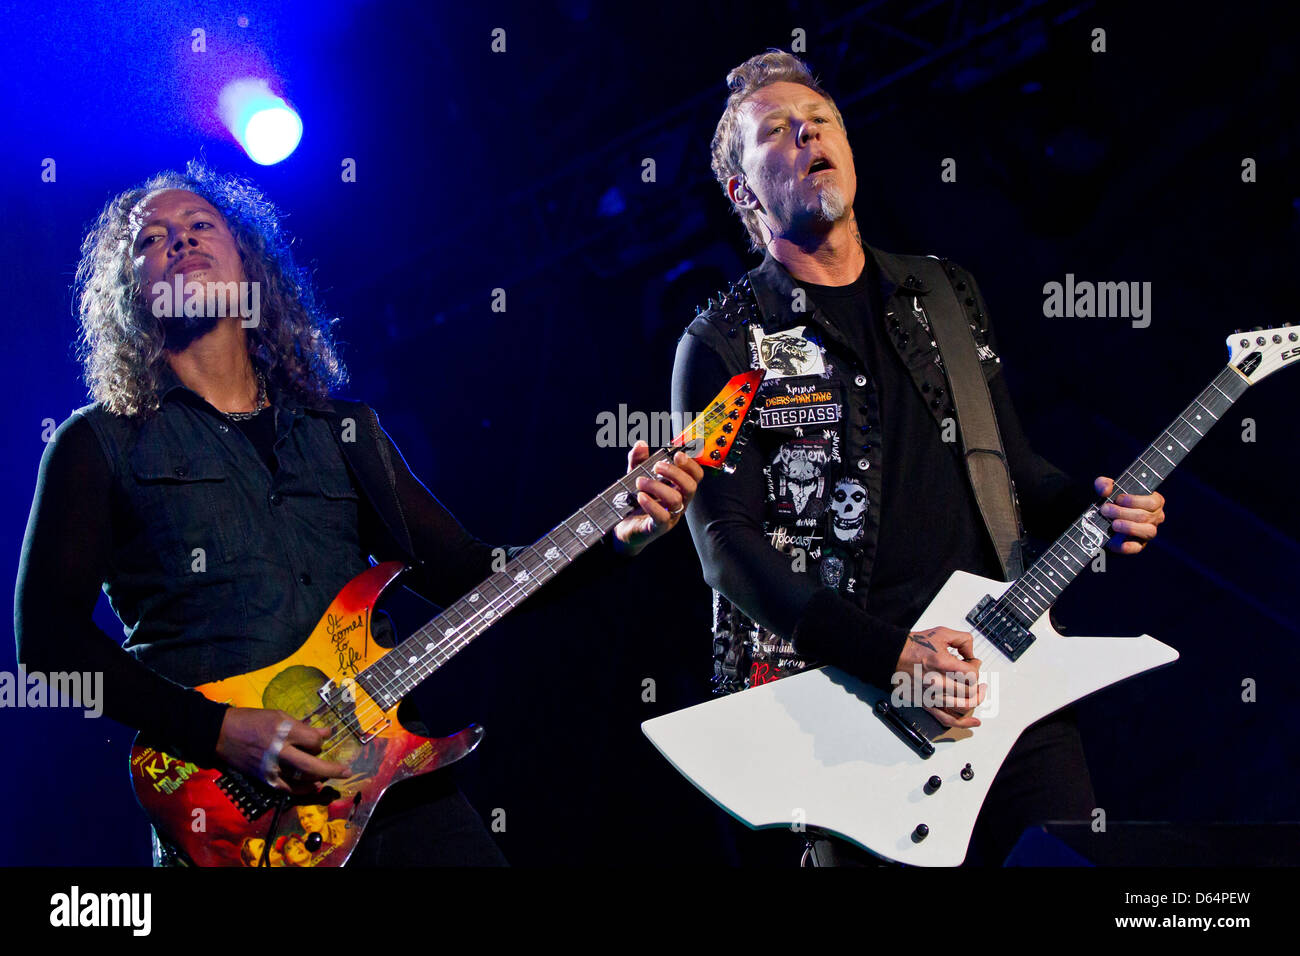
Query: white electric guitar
{"type": "Point", "coordinates": [826, 750]}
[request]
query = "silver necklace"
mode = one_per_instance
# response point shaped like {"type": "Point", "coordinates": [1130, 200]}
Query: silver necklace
{"type": "Point", "coordinates": [261, 402]}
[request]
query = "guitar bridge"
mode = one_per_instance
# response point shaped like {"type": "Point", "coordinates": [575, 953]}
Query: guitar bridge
{"type": "Point", "coordinates": [250, 798]}
{"type": "Point", "coordinates": [1000, 626]}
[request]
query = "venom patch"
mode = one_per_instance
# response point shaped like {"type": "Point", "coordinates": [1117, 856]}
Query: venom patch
{"type": "Point", "coordinates": [797, 478]}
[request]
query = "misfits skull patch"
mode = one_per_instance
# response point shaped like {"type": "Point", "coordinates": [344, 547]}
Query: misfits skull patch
{"type": "Point", "coordinates": [848, 511]}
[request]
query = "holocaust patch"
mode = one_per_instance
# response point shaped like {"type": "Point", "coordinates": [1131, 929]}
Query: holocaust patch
{"type": "Point", "coordinates": [791, 415]}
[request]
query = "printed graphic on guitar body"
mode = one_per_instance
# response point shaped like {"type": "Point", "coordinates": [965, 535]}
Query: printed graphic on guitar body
{"type": "Point", "coordinates": [222, 818]}
{"type": "Point", "coordinates": [341, 681]}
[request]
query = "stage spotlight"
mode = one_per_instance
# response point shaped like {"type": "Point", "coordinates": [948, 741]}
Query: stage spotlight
{"type": "Point", "coordinates": [264, 125]}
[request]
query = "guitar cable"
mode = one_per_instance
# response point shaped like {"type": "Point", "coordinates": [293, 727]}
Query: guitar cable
{"type": "Point", "coordinates": [280, 805]}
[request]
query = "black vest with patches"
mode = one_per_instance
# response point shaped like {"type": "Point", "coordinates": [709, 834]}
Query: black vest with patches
{"type": "Point", "coordinates": [819, 426]}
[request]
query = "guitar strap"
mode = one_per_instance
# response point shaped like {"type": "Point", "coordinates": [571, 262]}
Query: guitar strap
{"type": "Point", "coordinates": [986, 460]}
{"type": "Point", "coordinates": [370, 461]}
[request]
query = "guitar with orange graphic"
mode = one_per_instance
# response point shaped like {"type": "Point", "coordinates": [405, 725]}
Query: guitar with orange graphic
{"type": "Point", "coordinates": [341, 680]}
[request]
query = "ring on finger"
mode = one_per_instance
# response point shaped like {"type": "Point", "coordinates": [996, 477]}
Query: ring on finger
{"type": "Point", "coordinates": [270, 765]}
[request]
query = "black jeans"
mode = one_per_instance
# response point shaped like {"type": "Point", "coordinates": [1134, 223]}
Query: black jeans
{"type": "Point", "coordinates": [426, 822]}
{"type": "Point", "coordinates": [1045, 777]}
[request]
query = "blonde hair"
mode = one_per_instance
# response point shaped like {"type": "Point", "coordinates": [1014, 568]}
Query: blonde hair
{"type": "Point", "coordinates": [774, 66]}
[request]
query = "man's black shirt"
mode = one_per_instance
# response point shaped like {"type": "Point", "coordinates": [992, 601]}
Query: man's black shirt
{"type": "Point", "coordinates": [931, 527]}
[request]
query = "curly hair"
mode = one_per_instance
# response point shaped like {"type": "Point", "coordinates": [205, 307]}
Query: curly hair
{"type": "Point", "coordinates": [121, 341]}
{"type": "Point", "coordinates": [774, 66]}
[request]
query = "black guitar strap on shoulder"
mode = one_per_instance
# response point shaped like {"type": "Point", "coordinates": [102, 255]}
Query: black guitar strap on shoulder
{"type": "Point", "coordinates": [380, 487]}
{"type": "Point", "coordinates": [986, 460]}
{"type": "Point", "coordinates": [382, 446]}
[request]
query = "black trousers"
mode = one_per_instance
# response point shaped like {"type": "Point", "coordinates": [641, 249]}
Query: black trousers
{"type": "Point", "coordinates": [1045, 777]}
{"type": "Point", "coordinates": [426, 822]}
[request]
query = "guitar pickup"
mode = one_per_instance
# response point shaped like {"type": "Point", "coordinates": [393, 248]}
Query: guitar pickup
{"type": "Point", "coordinates": [375, 730]}
{"type": "Point", "coordinates": [341, 701]}
{"type": "Point", "coordinates": [1001, 627]}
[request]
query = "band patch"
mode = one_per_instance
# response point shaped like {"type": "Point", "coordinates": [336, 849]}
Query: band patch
{"type": "Point", "coordinates": [786, 354]}
{"type": "Point", "coordinates": [821, 414]}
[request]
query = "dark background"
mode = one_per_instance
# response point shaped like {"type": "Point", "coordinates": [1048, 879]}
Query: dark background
{"type": "Point", "coordinates": [522, 171]}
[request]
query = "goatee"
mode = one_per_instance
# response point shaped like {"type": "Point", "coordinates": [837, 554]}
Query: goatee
{"type": "Point", "coordinates": [833, 205]}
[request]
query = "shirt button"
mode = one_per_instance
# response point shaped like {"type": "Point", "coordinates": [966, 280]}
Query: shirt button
{"type": "Point", "coordinates": [863, 464]}
{"type": "Point", "coordinates": [276, 498]}
{"type": "Point", "coordinates": [178, 471]}
{"type": "Point", "coordinates": [305, 578]}
{"type": "Point", "coordinates": [860, 381]}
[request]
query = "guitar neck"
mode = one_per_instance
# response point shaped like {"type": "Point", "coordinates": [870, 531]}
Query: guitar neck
{"type": "Point", "coordinates": [410, 662]}
{"type": "Point", "coordinates": [1034, 592]}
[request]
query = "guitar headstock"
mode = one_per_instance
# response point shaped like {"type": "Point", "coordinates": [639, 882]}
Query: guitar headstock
{"type": "Point", "coordinates": [1260, 352]}
{"type": "Point", "coordinates": [724, 425]}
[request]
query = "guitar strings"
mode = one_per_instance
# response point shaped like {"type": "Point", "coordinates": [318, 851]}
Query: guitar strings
{"type": "Point", "coordinates": [447, 646]}
{"type": "Point", "coordinates": [716, 415]}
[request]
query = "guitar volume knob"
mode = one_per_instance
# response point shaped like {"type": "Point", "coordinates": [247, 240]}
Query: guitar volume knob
{"type": "Point", "coordinates": [920, 833]}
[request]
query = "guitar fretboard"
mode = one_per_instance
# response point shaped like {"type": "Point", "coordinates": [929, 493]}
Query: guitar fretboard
{"type": "Point", "coordinates": [396, 673]}
{"type": "Point", "coordinates": [1035, 591]}
{"type": "Point", "coordinates": [401, 669]}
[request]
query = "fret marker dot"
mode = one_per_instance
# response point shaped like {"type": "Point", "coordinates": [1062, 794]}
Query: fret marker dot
{"type": "Point", "coordinates": [473, 598]}
{"type": "Point", "coordinates": [489, 612]}
{"type": "Point", "coordinates": [429, 646]}
{"type": "Point", "coordinates": [412, 660]}
{"type": "Point", "coordinates": [1169, 448]}
{"type": "Point", "coordinates": [449, 632]}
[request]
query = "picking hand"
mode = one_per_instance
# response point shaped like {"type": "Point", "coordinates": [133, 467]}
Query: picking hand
{"type": "Point", "coordinates": [949, 688]}
{"type": "Point", "coordinates": [271, 746]}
